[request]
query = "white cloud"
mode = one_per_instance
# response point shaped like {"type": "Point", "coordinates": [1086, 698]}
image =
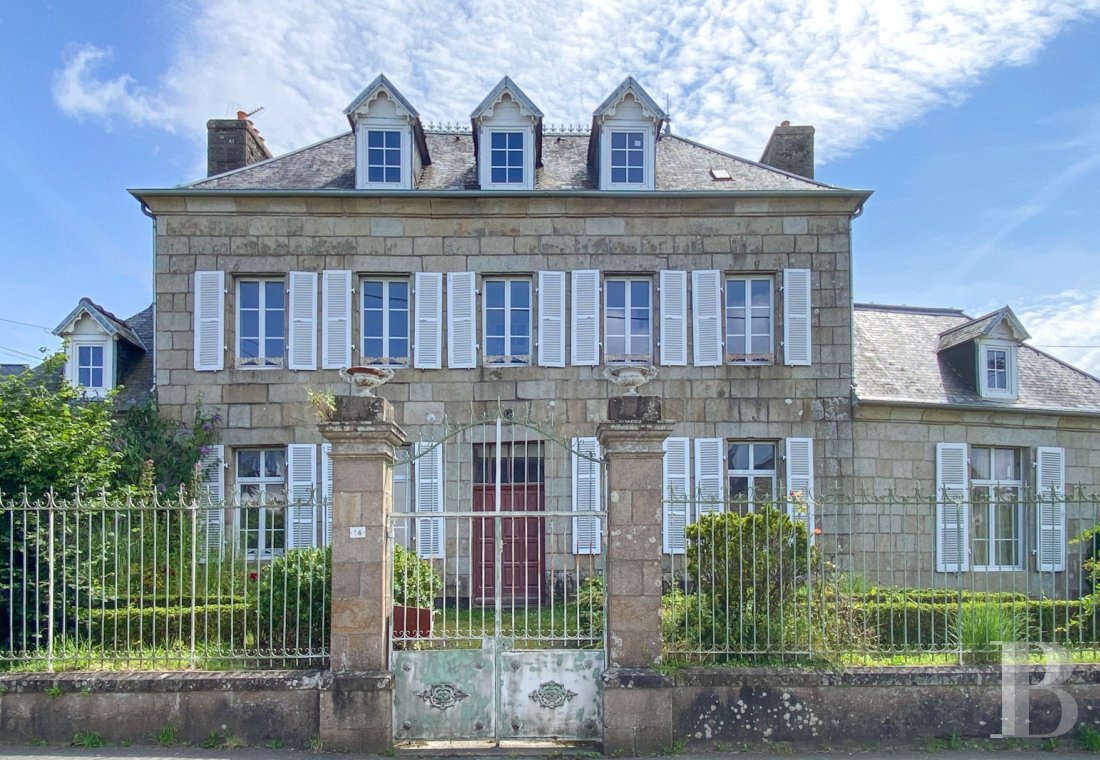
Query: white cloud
{"type": "Point", "coordinates": [1066, 324]}
{"type": "Point", "coordinates": [856, 69]}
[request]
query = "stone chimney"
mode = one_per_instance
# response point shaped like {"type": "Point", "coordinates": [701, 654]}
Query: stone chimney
{"type": "Point", "coordinates": [791, 149]}
{"type": "Point", "coordinates": [233, 143]}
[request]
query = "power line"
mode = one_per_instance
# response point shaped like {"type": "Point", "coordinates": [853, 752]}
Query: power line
{"type": "Point", "coordinates": [13, 352]}
{"type": "Point", "coordinates": [26, 324]}
{"type": "Point", "coordinates": [1055, 345]}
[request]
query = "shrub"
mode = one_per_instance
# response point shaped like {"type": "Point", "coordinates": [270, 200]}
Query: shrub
{"type": "Point", "coordinates": [415, 583]}
{"type": "Point", "coordinates": [590, 606]}
{"type": "Point", "coordinates": [294, 601]}
{"type": "Point", "coordinates": [126, 627]}
{"type": "Point", "coordinates": [983, 624]}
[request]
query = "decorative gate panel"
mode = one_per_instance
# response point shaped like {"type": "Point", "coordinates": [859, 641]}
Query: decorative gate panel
{"type": "Point", "coordinates": [514, 573]}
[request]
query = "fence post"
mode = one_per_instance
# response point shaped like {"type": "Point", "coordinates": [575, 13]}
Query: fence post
{"type": "Point", "coordinates": [356, 711]}
{"type": "Point", "coordinates": [636, 719]}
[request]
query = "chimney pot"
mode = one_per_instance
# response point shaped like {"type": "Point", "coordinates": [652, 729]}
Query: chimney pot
{"type": "Point", "coordinates": [232, 144]}
{"type": "Point", "coordinates": [242, 116]}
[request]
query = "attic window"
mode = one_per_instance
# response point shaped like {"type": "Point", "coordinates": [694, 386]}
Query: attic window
{"type": "Point", "coordinates": [720, 175]}
{"type": "Point", "coordinates": [997, 369]}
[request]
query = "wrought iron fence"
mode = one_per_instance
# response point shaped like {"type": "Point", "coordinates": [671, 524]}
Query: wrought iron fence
{"type": "Point", "coordinates": [107, 584]}
{"type": "Point", "coordinates": [881, 579]}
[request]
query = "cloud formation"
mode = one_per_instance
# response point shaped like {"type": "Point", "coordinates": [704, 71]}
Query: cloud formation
{"type": "Point", "coordinates": [1066, 324]}
{"type": "Point", "coordinates": [732, 69]}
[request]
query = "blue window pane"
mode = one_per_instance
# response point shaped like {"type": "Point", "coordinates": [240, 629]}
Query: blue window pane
{"type": "Point", "coordinates": [515, 175]}
{"type": "Point", "coordinates": [372, 347]}
{"type": "Point", "coordinates": [634, 139]}
{"type": "Point", "coordinates": [634, 176]}
{"type": "Point", "coordinates": [393, 139]}
{"type": "Point", "coordinates": [494, 294]}
{"type": "Point", "coordinates": [521, 294]}
{"type": "Point", "coordinates": [376, 157]}
{"type": "Point", "coordinates": [372, 295]}
{"type": "Point", "coordinates": [273, 324]}
{"type": "Point", "coordinates": [521, 345]}
{"type": "Point", "coordinates": [399, 324]}
{"type": "Point", "coordinates": [520, 323]}
{"type": "Point", "coordinates": [399, 295]}
{"type": "Point", "coordinates": [273, 348]}
{"type": "Point", "coordinates": [499, 140]}
{"type": "Point", "coordinates": [97, 378]}
{"type": "Point", "coordinates": [618, 140]}
{"type": "Point", "coordinates": [250, 323]}
{"type": "Point", "coordinates": [515, 140]}
{"type": "Point", "coordinates": [498, 175]}
{"type": "Point", "coordinates": [735, 294]}
{"type": "Point", "coordinates": [84, 377]}
{"type": "Point", "coordinates": [618, 175]}
{"type": "Point", "coordinates": [250, 348]}
{"type": "Point", "coordinates": [376, 174]}
{"type": "Point", "coordinates": [273, 295]}
{"type": "Point", "coordinates": [372, 324]}
{"type": "Point", "coordinates": [399, 348]}
{"type": "Point", "coordinates": [250, 295]}
{"type": "Point", "coordinates": [616, 293]}
{"type": "Point", "coordinates": [639, 293]}
{"type": "Point", "coordinates": [494, 346]}
{"type": "Point", "coordinates": [763, 456]}
{"type": "Point", "coordinates": [375, 139]}
{"type": "Point", "coordinates": [634, 158]}
{"type": "Point", "coordinates": [393, 174]}
{"type": "Point", "coordinates": [761, 293]}
{"type": "Point", "coordinates": [494, 322]}
{"type": "Point", "coordinates": [618, 157]}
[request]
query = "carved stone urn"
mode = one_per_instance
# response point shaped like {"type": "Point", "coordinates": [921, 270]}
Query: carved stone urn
{"type": "Point", "coordinates": [364, 380]}
{"type": "Point", "coordinates": [630, 376]}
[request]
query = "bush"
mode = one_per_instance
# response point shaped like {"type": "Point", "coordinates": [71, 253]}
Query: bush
{"type": "Point", "coordinates": [126, 627]}
{"type": "Point", "coordinates": [590, 606]}
{"type": "Point", "coordinates": [415, 583]}
{"type": "Point", "coordinates": [982, 625]}
{"type": "Point", "coordinates": [293, 597]}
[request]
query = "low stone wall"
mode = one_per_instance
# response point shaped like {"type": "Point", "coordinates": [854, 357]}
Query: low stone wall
{"type": "Point", "coordinates": [294, 708]}
{"type": "Point", "coordinates": [645, 711]}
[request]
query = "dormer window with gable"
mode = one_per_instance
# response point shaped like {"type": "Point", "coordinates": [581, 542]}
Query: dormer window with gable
{"type": "Point", "coordinates": [390, 147]}
{"type": "Point", "coordinates": [984, 351]}
{"type": "Point", "coordinates": [100, 348]}
{"type": "Point", "coordinates": [507, 129]}
{"type": "Point", "coordinates": [623, 147]}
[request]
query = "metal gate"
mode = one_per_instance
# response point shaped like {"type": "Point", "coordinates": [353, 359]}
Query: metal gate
{"type": "Point", "coordinates": [503, 527]}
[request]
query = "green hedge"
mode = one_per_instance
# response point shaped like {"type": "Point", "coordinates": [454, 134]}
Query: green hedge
{"type": "Point", "coordinates": [129, 626]}
{"type": "Point", "coordinates": [915, 624]}
{"type": "Point", "coordinates": [939, 595]}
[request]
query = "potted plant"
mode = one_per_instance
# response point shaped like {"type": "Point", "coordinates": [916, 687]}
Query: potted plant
{"type": "Point", "coordinates": [415, 584]}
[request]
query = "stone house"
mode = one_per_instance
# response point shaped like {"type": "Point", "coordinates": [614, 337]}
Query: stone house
{"type": "Point", "coordinates": [507, 266]}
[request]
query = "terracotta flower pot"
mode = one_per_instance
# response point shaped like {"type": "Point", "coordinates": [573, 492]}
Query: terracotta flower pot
{"type": "Point", "coordinates": [412, 622]}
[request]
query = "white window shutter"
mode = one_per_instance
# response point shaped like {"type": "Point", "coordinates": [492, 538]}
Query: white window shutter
{"type": "Point", "coordinates": [587, 531]}
{"type": "Point", "coordinates": [800, 482]}
{"type": "Point", "coordinates": [551, 294]}
{"type": "Point", "coordinates": [402, 529]}
{"type": "Point", "coordinates": [673, 287]}
{"type": "Point", "coordinates": [212, 500]}
{"type": "Point", "coordinates": [461, 320]}
{"type": "Point", "coordinates": [209, 321]}
{"type": "Point", "coordinates": [302, 343]}
{"type": "Point", "coordinates": [428, 305]}
{"type": "Point", "coordinates": [429, 499]}
{"type": "Point", "coordinates": [586, 318]}
{"type": "Point", "coordinates": [706, 317]}
{"type": "Point", "coordinates": [1051, 495]}
{"type": "Point", "coordinates": [336, 311]}
{"type": "Point", "coordinates": [710, 486]}
{"type": "Point", "coordinates": [952, 508]}
{"type": "Point", "coordinates": [676, 490]}
{"type": "Point", "coordinates": [326, 492]}
{"type": "Point", "coordinates": [797, 325]}
{"type": "Point", "coordinates": [301, 481]}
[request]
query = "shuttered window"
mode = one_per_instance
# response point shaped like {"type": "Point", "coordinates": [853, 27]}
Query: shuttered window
{"type": "Point", "coordinates": [209, 349]}
{"type": "Point", "coordinates": [996, 513]}
{"type": "Point", "coordinates": [952, 508]}
{"type": "Point", "coordinates": [551, 341]}
{"type": "Point", "coordinates": [212, 501]}
{"type": "Point", "coordinates": [507, 326]}
{"type": "Point", "coordinates": [461, 320]}
{"type": "Point", "coordinates": [336, 343]}
{"type": "Point", "coordinates": [587, 531]}
{"type": "Point", "coordinates": [261, 322]}
{"type": "Point", "coordinates": [428, 467]}
{"type": "Point", "coordinates": [797, 325]}
{"type": "Point", "coordinates": [428, 300]}
{"type": "Point", "coordinates": [800, 482]}
{"type": "Point", "coordinates": [385, 322]}
{"type": "Point", "coordinates": [585, 315]}
{"type": "Point", "coordinates": [301, 496]}
{"type": "Point", "coordinates": [326, 493]}
{"type": "Point", "coordinates": [750, 325]}
{"type": "Point", "coordinates": [1050, 488]}
{"type": "Point", "coordinates": [673, 343]}
{"type": "Point", "coordinates": [710, 492]}
{"type": "Point", "coordinates": [628, 320]}
{"type": "Point", "coordinates": [261, 499]}
{"type": "Point", "coordinates": [675, 511]}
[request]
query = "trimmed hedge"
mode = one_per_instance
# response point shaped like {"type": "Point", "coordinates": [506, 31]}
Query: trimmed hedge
{"type": "Point", "coordinates": [128, 626]}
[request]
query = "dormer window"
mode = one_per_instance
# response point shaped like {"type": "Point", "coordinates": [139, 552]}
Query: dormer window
{"type": "Point", "coordinates": [507, 129]}
{"type": "Point", "coordinates": [997, 369]}
{"type": "Point", "coordinates": [623, 150]}
{"type": "Point", "coordinates": [100, 347]}
{"type": "Point", "coordinates": [90, 367]}
{"type": "Point", "coordinates": [390, 147]}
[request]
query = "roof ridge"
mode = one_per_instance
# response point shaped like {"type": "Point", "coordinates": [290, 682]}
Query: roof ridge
{"type": "Point", "coordinates": [749, 161]}
{"type": "Point", "coordinates": [196, 183]}
{"type": "Point", "coordinates": [944, 311]}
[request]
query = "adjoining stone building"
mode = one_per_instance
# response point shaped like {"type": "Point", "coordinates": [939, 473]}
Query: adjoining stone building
{"type": "Point", "coordinates": [507, 265]}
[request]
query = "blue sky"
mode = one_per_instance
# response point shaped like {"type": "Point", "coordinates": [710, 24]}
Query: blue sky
{"type": "Point", "coordinates": [974, 123]}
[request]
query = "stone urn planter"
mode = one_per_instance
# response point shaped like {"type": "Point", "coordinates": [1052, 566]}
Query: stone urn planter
{"type": "Point", "coordinates": [364, 380]}
{"type": "Point", "coordinates": [630, 376]}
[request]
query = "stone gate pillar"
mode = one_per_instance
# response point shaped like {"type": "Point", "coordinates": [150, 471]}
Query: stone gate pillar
{"type": "Point", "coordinates": [636, 718]}
{"type": "Point", "coordinates": [356, 711]}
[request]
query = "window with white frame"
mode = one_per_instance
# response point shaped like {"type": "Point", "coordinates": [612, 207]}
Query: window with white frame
{"type": "Point", "coordinates": [997, 369]}
{"type": "Point", "coordinates": [750, 468]}
{"type": "Point", "coordinates": [384, 156]}
{"type": "Point", "coordinates": [261, 496]}
{"type": "Point", "coordinates": [507, 330]}
{"type": "Point", "coordinates": [506, 159]}
{"type": "Point", "coordinates": [91, 367]}
{"type": "Point", "coordinates": [996, 512]}
{"type": "Point", "coordinates": [261, 322]}
{"type": "Point", "coordinates": [628, 320]}
{"type": "Point", "coordinates": [385, 322]}
{"type": "Point", "coordinates": [750, 320]}
{"type": "Point", "coordinates": [628, 157]}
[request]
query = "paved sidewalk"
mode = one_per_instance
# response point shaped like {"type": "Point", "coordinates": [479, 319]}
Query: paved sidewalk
{"type": "Point", "coordinates": [12, 752]}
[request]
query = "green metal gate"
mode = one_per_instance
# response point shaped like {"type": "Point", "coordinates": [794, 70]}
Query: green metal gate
{"type": "Point", "coordinates": [511, 523]}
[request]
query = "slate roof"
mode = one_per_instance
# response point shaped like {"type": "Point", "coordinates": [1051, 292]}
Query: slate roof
{"type": "Point", "coordinates": [980, 326]}
{"type": "Point", "coordinates": [111, 324]}
{"type": "Point", "coordinates": [136, 376]}
{"type": "Point", "coordinates": [681, 165]}
{"type": "Point", "coordinates": [897, 360]}
{"type": "Point", "coordinates": [7, 370]}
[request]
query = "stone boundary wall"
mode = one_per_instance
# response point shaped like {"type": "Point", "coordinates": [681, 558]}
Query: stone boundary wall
{"type": "Point", "coordinates": [644, 711]}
